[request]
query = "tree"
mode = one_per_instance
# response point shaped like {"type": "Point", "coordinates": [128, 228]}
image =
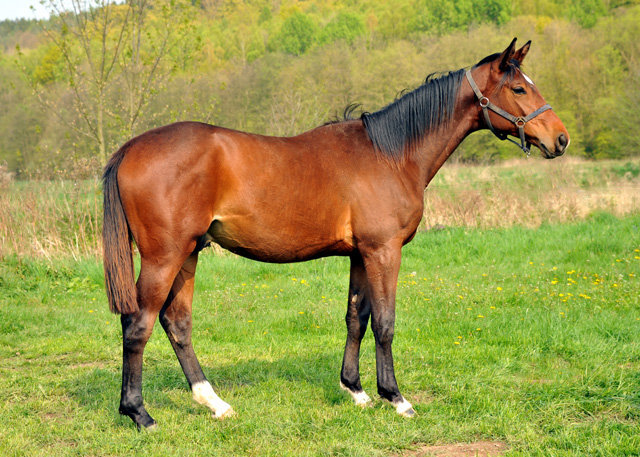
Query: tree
{"type": "Point", "coordinates": [345, 26]}
{"type": "Point", "coordinates": [297, 34]}
{"type": "Point", "coordinates": [116, 58]}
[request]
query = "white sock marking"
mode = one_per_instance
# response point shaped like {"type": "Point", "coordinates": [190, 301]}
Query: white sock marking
{"type": "Point", "coordinates": [360, 398]}
{"type": "Point", "coordinates": [403, 406]}
{"type": "Point", "coordinates": [203, 393]}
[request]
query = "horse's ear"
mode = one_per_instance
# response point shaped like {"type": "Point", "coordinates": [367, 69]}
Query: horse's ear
{"type": "Point", "coordinates": [522, 52]}
{"type": "Point", "coordinates": [507, 55]}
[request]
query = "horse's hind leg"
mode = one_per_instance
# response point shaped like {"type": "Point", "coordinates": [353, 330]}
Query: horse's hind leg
{"type": "Point", "coordinates": [153, 287]}
{"type": "Point", "coordinates": [175, 318]}
{"type": "Point", "coordinates": [358, 311]}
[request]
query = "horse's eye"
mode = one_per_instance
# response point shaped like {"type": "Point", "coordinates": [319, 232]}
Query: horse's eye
{"type": "Point", "coordinates": [519, 90]}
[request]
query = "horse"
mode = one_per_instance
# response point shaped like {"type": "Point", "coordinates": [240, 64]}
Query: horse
{"type": "Point", "coordinates": [349, 188]}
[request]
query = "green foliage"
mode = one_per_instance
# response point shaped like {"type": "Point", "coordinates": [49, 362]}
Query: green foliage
{"type": "Point", "coordinates": [297, 34]}
{"type": "Point", "coordinates": [442, 16]}
{"type": "Point", "coordinates": [231, 64]}
{"type": "Point", "coordinates": [587, 12]}
{"type": "Point", "coordinates": [345, 26]}
{"type": "Point", "coordinates": [50, 67]}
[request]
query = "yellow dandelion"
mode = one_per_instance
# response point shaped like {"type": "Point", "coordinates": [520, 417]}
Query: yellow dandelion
{"type": "Point", "coordinates": [498, 288]}
{"type": "Point", "coordinates": [300, 312]}
{"type": "Point", "coordinates": [456, 342]}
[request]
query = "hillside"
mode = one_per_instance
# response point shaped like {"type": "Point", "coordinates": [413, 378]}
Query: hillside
{"type": "Point", "coordinates": [281, 67]}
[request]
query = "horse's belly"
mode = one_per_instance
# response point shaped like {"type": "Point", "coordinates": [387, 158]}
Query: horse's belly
{"type": "Point", "coordinates": [279, 242]}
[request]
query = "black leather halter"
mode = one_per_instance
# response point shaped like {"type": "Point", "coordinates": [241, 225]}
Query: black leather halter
{"type": "Point", "coordinates": [520, 122]}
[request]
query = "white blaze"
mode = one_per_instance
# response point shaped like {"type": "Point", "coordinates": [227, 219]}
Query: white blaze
{"type": "Point", "coordinates": [528, 79]}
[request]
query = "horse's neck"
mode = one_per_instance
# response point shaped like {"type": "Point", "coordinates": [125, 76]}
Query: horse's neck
{"type": "Point", "coordinates": [438, 145]}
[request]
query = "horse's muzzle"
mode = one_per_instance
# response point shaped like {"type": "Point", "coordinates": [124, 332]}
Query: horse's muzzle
{"type": "Point", "coordinates": [560, 146]}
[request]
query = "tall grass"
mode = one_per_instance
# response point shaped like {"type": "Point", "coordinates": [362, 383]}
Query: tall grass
{"type": "Point", "coordinates": [531, 192]}
{"type": "Point", "coordinates": [53, 219]}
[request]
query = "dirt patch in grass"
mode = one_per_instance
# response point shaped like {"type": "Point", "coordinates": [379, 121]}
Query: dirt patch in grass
{"type": "Point", "coordinates": [478, 449]}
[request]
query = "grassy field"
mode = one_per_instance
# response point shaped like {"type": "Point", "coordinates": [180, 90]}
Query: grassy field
{"type": "Point", "coordinates": [528, 337]}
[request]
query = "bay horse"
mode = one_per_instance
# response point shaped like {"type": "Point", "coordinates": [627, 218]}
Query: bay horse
{"type": "Point", "coordinates": [350, 188]}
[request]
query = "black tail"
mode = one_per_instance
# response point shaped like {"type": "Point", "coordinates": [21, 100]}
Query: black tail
{"type": "Point", "coordinates": [116, 239]}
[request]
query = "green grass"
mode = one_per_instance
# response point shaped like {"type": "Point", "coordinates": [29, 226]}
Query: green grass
{"type": "Point", "coordinates": [531, 337]}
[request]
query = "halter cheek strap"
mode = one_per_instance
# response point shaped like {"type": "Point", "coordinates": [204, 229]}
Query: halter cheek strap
{"type": "Point", "coordinates": [520, 122]}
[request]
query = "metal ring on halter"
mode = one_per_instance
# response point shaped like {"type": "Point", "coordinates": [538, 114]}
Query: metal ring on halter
{"type": "Point", "coordinates": [484, 102]}
{"type": "Point", "coordinates": [520, 122]}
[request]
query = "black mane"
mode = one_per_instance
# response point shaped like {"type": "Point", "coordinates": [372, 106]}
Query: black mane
{"type": "Point", "coordinates": [397, 128]}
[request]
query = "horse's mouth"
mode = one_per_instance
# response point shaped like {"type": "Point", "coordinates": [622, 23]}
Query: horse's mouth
{"type": "Point", "coordinates": [544, 151]}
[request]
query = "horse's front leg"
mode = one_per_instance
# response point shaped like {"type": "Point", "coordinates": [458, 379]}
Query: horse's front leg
{"type": "Point", "coordinates": [382, 266]}
{"type": "Point", "coordinates": [357, 319]}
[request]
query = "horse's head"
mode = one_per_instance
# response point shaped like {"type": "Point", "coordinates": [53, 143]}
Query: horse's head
{"type": "Point", "coordinates": [511, 104]}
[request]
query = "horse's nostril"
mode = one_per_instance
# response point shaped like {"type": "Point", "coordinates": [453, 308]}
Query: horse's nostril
{"type": "Point", "coordinates": [561, 142]}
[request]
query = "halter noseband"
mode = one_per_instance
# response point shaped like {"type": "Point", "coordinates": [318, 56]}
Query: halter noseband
{"type": "Point", "coordinates": [520, 122]}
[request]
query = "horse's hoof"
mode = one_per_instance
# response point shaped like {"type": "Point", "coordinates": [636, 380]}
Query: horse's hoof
{"type": "Point", "coordinates": [408, 413]}
{"type": "Point", "coordinates": [226, 414]}
{"type": "Point", "coordinates": [151, 428]}
{"type": "Point", "coordinates": [404, 408]}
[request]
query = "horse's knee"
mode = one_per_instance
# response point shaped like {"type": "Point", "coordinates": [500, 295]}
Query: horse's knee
{"type": "Point", "coordinates": [177, 330]}
{"type": "Point", "coordinates": [383, 329]}
{"type": "Point", "coordinates": [135, 331]}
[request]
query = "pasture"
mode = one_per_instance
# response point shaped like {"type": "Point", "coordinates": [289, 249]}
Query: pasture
{"type": "Point", "coordinates": [527, 337]}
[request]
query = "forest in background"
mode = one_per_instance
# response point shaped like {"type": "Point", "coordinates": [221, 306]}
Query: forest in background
{"type": "Point", "coordinates": [283, 67]}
